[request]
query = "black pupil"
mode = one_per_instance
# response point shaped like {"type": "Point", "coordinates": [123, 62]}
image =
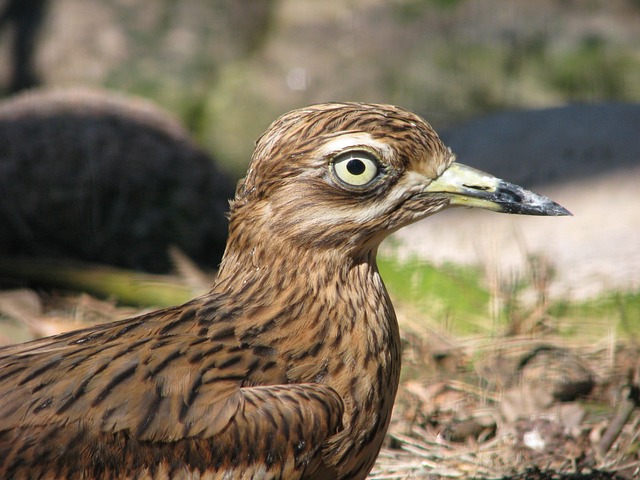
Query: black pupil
{"type": "Point", "coordinates": [356, 167]}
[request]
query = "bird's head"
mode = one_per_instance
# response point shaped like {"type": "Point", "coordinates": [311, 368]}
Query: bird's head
{"type": "Point", "coordinates": [345, 175]}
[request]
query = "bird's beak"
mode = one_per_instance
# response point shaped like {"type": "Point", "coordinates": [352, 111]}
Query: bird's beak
{"type": "Point", "coordinates": [469, 187]}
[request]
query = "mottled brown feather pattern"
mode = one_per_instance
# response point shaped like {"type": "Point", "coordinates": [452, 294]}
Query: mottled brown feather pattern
{"type": "Point", "coordinates": [288, 368]}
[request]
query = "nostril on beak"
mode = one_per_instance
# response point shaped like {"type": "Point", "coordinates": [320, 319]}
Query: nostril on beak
{"type": "Point", "coordinates": [481, 188]}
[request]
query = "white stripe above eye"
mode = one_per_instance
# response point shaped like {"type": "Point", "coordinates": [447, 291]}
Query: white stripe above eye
{"type": "Point", "coordinates": [349, 140]}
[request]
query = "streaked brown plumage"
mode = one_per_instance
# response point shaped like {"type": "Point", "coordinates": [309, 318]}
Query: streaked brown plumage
{"type": "Point", "coordinates": [289, 367]}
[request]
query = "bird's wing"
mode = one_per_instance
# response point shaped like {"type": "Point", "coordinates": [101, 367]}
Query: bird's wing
{"type": "Point", "coordinates": [277, 432]}
{"type": "Point", "coordinates": [158, 382]}
{"type": "Point", "coordinates": [128, 375]}
{"type": "Point", "coordinates": [280, 429]}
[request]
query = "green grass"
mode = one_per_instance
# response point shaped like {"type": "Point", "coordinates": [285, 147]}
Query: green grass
{"type": "Point", "coordinates": [613, 311]}
{"type": "Point", "coordinates": [450, 296]}
{"type": "Point", "coordinates": [455, 299]}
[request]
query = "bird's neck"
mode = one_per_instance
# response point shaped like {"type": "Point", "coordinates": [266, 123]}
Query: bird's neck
{"type": "Point", "coordinates": [336, 325]}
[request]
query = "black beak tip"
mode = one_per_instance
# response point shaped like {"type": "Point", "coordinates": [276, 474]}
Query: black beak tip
{"type": "Point", "coordinates": [560, 211]}
{"type": "Point", "coordinates": [516, 199]}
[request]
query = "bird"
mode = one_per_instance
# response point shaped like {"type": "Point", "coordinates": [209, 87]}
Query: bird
{"type": "Point", "coordinates": [289, 366]}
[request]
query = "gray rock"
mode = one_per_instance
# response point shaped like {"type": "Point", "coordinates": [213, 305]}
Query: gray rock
{"type": "Point", "coordinates": [537, 147]}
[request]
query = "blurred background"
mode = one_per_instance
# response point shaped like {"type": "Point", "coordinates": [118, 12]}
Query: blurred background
{"type": "Point", "coordinates": [540, 93]}
{"type": "Point", "coordinates": [166, 99]}
{"type": "Point", "coordinates": [228, 68]}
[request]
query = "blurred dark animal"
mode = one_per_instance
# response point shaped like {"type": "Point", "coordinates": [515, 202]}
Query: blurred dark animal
{"type": "Point", "coordinates": [102, 177]}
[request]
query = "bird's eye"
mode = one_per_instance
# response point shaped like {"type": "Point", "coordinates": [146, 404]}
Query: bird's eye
{"type": "Point", "coordinates": [356, 169]}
